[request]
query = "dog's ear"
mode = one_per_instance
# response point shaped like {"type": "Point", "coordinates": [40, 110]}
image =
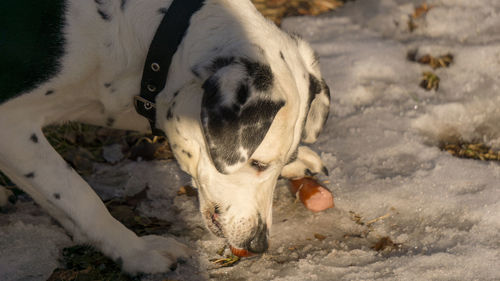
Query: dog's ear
{"type": "Point", "coordinates": [237, 110]}
{"type": "Point", "coordinates": [319, 105]}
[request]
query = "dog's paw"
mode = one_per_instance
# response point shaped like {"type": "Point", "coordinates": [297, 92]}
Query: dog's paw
{"type": "Point", "coordinates": [160, 254]}
{"type": "Point", "coordinates": [308, 163]}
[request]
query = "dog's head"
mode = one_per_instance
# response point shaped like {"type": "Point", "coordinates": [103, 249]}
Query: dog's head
{"type": "Point", "coordinates": [256, 107]}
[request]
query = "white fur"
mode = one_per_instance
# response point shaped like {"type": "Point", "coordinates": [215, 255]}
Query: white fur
{"type": "Point", "coordinates": [99, 52]}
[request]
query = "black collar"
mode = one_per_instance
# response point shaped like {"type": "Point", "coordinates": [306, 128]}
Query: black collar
{"type": "Point", "coordinates": [167, 39]}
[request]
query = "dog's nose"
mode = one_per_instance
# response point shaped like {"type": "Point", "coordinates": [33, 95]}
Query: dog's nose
{"type": "Point", "coordinates": [258, 243]}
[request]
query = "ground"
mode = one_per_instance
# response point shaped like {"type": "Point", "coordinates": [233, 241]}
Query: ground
{"type": "Point", "coordinates": [406, 208]}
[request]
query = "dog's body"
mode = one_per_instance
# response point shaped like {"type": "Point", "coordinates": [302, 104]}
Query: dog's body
{"type": "Point", "coordinates": [240, 96]}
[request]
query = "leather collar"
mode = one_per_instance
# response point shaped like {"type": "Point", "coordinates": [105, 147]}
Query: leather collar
{"type": "Point", "coordinates": [167, 39]}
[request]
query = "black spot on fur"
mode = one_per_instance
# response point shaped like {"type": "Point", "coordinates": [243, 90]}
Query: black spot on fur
{"type": "Point", "coordinates": [162, 10]}
{"type": "Point", "coordinates": [188, 154]}
{"type": "Point", "coordinates": [123, 4]}
{"type": "Point", "coordinates": [195, 72]}
{"type": "Point", "coordinates": [176, 94]}
{"type": "Point", "coordinates": [34, 138]}
{"type": "Point", "coordinates": [261, 74]}
{"type": "Point", "coordinates": [30, 175]}
{"type": "Point", "coordinates": [282, 56]}
{"type": "Point", "coordinates": [107, 85]}
{"type": "Point", "coordinates": [105, 16]}
{"type": "Point", "coordinates": [49, 92]}
{"type": "Point", "coordinates": [110, 122]}
{"type": "Point", "coordinates": [57, 196]}
{"type": "Point", "coordinates": [170, 115]}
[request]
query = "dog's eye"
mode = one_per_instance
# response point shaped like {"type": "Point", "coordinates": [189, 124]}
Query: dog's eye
{"type": "Point", "coordinates": [259, 166]}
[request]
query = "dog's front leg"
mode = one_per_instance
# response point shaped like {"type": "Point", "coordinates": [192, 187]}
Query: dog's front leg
{"type": "Point", "coordinates": [29, 160]}
{"type": "Point", "coordinates": [306, 163]}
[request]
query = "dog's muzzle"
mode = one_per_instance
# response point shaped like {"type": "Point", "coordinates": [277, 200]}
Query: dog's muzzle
{"type": "Point", "coordinates": [258, 243]}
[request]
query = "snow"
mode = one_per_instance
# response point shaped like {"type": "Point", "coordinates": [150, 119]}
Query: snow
{"type": "Point", "coordinates": [380, 145]}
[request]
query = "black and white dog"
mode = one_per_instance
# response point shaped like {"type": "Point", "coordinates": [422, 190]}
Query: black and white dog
{"type": "Point", "coordinates": [240, 97]}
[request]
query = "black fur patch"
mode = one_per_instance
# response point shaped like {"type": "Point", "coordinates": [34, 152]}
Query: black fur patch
{"type": "Point", "coordinates": [49, 92]}
{"type": "Point", "coordinates": [221, 62]}
{"type": "Point", "coordinates": [34, 138]}
{"type": "Point", "coordinates": [211, 93]}
{"type": "Point", "coordinates": [107, 85]}
{"type": "Point", "coordinates": [30, 175]}
{"type": "Point", "coordinates": [325, 88]}
{"type": "Point", "coordinates": [261, 75]}
{"type": "Point", "coordinates": [31, 44]}
{"type": "Point", "coordinates": [242, 94]}
{"type": "Point", "coordinates": [243, 123]}
{"type": "Point", "coordinates": [57, 196]}
{"type": "Point", "coordinates": [282, 56]}
{"type": "Point", "coordinates": [317, 112]}
{"type": "Point", "coordinates": [228, 130]}
{"type": "Point", "coordinates": [256, 120]}
{"type": "Point", "coordinates": [314, 87]}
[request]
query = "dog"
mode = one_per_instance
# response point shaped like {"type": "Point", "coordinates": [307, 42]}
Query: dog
{"type": "Point", "coordinates": [241, 97]}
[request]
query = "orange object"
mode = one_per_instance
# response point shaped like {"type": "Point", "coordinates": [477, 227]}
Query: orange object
{"type": "Point", "coordinates": [314, 196]}
{"type": "Point", "coordinates": [240, 252]}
